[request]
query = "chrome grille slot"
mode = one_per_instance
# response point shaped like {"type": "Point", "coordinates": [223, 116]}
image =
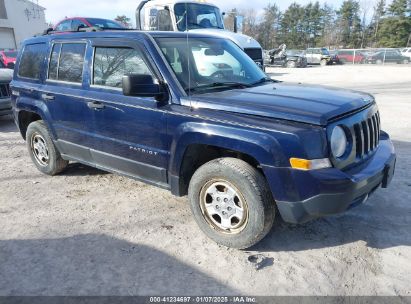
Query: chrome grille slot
{"type": "Point", "coordinates": [367, 135]}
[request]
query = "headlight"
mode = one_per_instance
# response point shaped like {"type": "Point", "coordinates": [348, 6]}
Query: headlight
{"type": "Point", "coordinates": [338, 142]}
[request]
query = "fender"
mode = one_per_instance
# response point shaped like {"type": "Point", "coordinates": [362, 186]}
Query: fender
{"type": "Point", "coordinates": [260, 145]}
{"type": "Point", "coordinates": [35, 106]}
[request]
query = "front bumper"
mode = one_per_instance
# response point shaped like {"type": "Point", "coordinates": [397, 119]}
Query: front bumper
{"type": "Point", "coordinates": [307, 195]}
{"type": "Point", "coordinates": [5, 106]}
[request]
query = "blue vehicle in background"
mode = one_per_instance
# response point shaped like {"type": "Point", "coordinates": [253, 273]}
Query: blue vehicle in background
{"type": "Point", "coordinates": [240, 145]}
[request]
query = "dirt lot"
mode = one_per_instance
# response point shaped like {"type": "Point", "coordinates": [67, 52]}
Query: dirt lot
{"type": "Point", "coordinates": [87, 232]}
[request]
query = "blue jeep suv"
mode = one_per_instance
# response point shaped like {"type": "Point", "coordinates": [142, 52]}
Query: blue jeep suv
{"type": "Point", "coordinates": [195, 115]}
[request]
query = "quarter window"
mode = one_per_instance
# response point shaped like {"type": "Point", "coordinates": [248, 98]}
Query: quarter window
{"type": "Point", "coordinates": [31, 60]}
{"type": "Point", "coordinates": [54, 62]}
{"type": "Point", "coordinates": [111, 64]}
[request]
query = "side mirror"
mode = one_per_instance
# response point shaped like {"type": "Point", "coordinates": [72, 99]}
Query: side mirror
{"type": "Point", "coordinates": [143, 86]}
{"type": "Point", "coordinates": [11, 65]}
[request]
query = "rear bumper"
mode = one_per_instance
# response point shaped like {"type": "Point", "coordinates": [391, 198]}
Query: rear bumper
{"type": "Point", "coordinates": [312, 194]}
{"type": "Point", "coordinates": [5, 106]}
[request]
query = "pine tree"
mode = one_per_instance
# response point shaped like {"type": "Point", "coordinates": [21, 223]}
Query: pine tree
{"type": "Point", "coordinates": [349, 23]}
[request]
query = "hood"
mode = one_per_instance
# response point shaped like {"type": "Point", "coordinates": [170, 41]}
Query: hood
{"type": "Point", "coordinates": [241, 40]}
{"type": "Point", "coordinates": [315, 105]}
{"type": "Point", "coordinates": [6, 75]}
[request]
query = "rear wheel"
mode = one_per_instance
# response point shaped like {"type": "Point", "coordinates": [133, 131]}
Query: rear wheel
{"type": "Point", "coordinates": [42, 150]}
{"type": "Point", "coordinates": [231, 202]}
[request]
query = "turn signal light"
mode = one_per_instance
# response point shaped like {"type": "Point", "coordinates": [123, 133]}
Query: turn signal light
{"type": "Point", "coordinates": [313, 164]}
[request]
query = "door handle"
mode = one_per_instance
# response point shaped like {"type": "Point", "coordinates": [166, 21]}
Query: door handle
{"type": "Point", "coordinates": [48, 97]}
{"type": "Point", "coordinates": [95, 105]}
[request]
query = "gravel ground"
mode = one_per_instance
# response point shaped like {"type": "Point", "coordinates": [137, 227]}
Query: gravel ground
{"type": "Point", "coordinates": [87, 232]}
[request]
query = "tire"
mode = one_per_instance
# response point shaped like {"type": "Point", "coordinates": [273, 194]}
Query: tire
{"type": "Point", "coordinates": [223, 177]}
{"type": "Point", "coordinates": [42, 150]}
{"type": "Point", "coordinates": [323, 63]}
{"type": "Point", "coordinates": [291, 64]}
{"type": "Point", "coordinates": [379, 62]}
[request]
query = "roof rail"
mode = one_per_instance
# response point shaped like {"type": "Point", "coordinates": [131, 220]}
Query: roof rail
{"type": "Point", "coordinates": [82, 29]}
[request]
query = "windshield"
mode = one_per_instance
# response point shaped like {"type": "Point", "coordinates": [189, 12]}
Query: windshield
{"type": "Point", "coordinates": [294, 53]}
{"type": "Point", "coordinates": [195, 16]}
{"type": "Point", "coordinates": [11, 54]}
{"type": "Point", "coordinates": [204, 64]}
{"type": "Point", "coordinates": [325, 52]}
{"type": "Point", "coordinates": [104, 24]}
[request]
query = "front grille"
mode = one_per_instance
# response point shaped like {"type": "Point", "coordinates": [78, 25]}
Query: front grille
{"type": "Point", "coordinates": [4, 90]}
{"type": "Point", "coordinates": [255, 54]}
{"type": "Point", "coordinates": [367, 135]}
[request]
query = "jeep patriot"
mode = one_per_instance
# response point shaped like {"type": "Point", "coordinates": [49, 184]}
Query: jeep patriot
{"type": "Point", "coordinates": [193, 114]}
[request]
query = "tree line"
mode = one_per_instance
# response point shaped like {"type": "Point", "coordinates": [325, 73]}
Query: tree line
{"type": "Point", "coordinates": [355, 24]}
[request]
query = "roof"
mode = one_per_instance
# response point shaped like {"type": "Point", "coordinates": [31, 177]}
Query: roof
{"type": "Point", "coordinates": [115, 33]}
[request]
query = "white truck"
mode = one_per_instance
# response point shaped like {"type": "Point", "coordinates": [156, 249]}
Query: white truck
{"type": "Point", "coordinates": [194, 16]}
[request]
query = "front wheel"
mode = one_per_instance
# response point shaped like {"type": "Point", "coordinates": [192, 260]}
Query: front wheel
{"type": "Point", "coordinates": [42, 150]}
{"type": "Point", "coordinates": [231, 202]}
{"type": "Point", "coordinates": [291, 64]}
{"type": "Point", "coordinates": [323, 63]}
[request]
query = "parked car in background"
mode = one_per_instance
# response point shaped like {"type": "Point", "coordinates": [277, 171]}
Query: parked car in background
{"type": "Point", "coordinates": [335, 59]}
{"type": "Point", "coordinates": [351, 56]}
{"type": "Point", "coordinates": [73, 24]}
{"type": "Point", "coordinates": [6, 76]}
{"type": "Point", "coordinates": [406, 52]}
{"type": "Point", "coordinates": [388, 56]}
{"type": "Point", "coordinates": [9, 58]}
{"type": "Point", "coordinates": [318, 56]}
{"type": "Point", "coordinates": [286, 58]}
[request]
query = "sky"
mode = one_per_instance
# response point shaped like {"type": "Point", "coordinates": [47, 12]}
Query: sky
{"type": "Point", "coordinates": [59, 9]}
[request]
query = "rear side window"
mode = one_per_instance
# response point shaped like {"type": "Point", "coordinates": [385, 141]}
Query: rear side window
{"type": "Point", "coordinates": [31, 61]}
{"type": "Point", "coordinates": [111, 64]}
{"type": "Point", "coordinates": [66, 62]}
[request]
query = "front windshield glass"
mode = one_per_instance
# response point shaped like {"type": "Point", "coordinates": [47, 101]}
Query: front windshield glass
{"type": "Point", "coordinates": [11, 54]}
{"type": "Point", "coordinates": [325, 52]}
{"type": "Point", "coordinates": [192, 16]}
{"type": "Point", "coordinates": [205, 64]}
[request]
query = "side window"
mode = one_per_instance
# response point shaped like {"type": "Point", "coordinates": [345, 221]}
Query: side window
{"type": "Point", "coordinates": [64, 26]}
{"type": "Point", "coordinates": [31, 61]}
{"type": "Point", "coordinates": [112, 63]}
{"type": "Point", "coordinates": [76, 24]}
{"type": "Point", "coordinates": [71, 62]}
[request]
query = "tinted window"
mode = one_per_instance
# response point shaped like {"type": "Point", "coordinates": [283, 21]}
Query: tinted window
{"type": "Point", "coordinates": [71, 62]}
{"type": "Point", "coordinates": [103, 23]}
{"type": "Point", "coordinates": [111, 64]}
{"type": "Point", "coordinates": [11, 54]}
{"type": "Point", "coordinates": [76, 24]}
{"type": "Point", "coordinates": [31, 60]}
{"type": "Point", "coordinates": [53, 66]}
{"type": "Point", "coordinates": [64, 26]}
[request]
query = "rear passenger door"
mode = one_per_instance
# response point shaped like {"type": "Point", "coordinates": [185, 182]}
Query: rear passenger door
{"type": "Point", "coordinates": [63, 94]}
{"type": "Point", "coordinates": [130, 132]}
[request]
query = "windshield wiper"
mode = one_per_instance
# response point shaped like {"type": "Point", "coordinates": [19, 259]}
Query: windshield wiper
{"type": "Point", "coordinates": [219, 85]}
{"type": "Point", "coordinates": [263, 80]}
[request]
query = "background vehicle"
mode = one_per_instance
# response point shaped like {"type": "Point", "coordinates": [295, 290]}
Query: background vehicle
{"type": "Point", "coordinates": [286, 58]}
{"type": "Point", "coordinates": [9, 58]}
{"type": "Point", "coordinates": [318, 56]}
{"type": "Point", "coordinates": [193, 16]}
{"type": "Point", "coordinates": [335, 59]}
{"type": "Point", "coordinates": [6, 76]}
{"type": "Point", "coordinates": [406, 53]}
{"type": "Point", "coordinates": [72, 24]}
{"type": "Point", "coordinates": [388, 56]}
{"type": "Point", "coordinates": [347, 56]}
